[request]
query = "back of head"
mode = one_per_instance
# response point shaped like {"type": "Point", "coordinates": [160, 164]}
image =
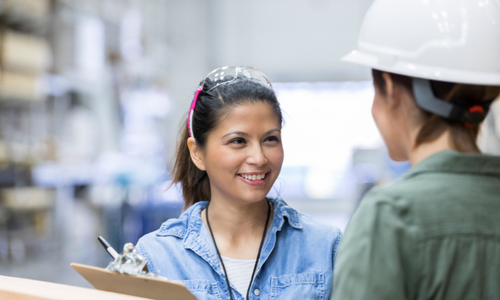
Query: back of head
{"type": "Point", "coordinates": [463, 136]}
{"type": "Point", "coordinates": [455, 46]}
{"type": "Point", "coordinates": [211, 106]}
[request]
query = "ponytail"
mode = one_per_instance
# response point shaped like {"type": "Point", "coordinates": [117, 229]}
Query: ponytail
{"type": "Point", "coordinates": [194, 182]}
{"type": "Point", "coordinates": [463, 138]}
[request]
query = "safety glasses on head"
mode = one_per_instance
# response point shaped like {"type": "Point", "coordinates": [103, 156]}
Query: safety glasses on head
{"type": "Point", "coordinates": [227, 75]}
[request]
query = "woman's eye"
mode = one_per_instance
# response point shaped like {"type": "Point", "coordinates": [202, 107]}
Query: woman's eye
{"type": "Point", "coordinates": [237, 141]}
{"type": "Point", "coordinates": [272, 139]}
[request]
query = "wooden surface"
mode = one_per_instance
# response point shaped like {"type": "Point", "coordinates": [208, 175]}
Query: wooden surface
{"type": "Point", "coordinates": [14, 288]}
{"type": "Point", "coordinates": [142, 286]}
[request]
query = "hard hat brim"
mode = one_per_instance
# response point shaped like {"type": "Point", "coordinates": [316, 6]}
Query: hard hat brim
{"type": "Point", "coordinates": [398, 66]}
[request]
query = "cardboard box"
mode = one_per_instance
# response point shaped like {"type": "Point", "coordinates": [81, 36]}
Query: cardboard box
{"type": "Point", "coordinates": [13, 288]}
{"type": "Point", "coordinates": [27, 198]}
{"type": "Point", "coordinates": [24, 53]}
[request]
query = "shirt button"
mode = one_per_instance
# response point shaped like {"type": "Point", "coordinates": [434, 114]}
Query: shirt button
{"type": "Point", "coordinates": [256, 292]}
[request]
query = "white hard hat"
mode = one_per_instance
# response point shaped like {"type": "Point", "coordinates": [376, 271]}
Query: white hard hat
{"type": "Point", "coordinates": [447, 40]}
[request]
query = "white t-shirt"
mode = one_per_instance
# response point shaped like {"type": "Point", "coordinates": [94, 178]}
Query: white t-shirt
{"type": "Point", "coordinates": [239, 273]}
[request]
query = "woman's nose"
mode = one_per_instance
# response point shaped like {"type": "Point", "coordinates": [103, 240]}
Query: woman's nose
{"type": "Point", "coordinates": [257, 156]}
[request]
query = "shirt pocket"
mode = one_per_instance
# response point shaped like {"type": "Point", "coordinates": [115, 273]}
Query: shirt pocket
{"type": "Point", "coordinates": [304, 286]}
{"type": "Point", "coordinates": [203, 289]}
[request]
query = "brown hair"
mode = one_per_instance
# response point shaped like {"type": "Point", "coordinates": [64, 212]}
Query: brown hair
{"type": "Point", "coordinates": [463, 139]}
{"type": "Point", "coordinates": [211, 107]}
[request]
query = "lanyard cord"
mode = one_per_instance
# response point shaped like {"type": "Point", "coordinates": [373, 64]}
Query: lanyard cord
{"type": "Point", "coordinates": [258, 255]}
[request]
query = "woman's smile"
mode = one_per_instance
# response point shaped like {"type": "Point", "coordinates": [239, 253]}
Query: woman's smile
{"type": "Point", "coordinates": [254, 178]}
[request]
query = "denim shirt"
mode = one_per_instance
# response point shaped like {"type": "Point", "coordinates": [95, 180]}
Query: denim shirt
{"type": "Point", "coordinates": [296, 262]}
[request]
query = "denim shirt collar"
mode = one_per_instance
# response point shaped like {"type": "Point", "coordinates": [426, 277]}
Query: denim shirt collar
{"type": "Point", "coordinates": [189, 224]}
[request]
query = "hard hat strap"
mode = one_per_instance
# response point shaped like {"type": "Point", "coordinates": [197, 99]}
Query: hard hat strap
{"type": "Point", "coordinates": [456, 110]}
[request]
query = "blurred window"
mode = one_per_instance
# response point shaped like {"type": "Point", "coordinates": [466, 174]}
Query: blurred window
{"type": "Point", "coordinates": [324, 124]}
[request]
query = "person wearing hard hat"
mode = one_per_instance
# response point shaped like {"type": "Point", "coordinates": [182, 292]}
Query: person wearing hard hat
{"type": "Point", "coordinates": [435, 232]}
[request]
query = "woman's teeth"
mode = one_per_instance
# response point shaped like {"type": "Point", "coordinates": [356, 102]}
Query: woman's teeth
{"type": "Point", "coordinates": [253, 177]}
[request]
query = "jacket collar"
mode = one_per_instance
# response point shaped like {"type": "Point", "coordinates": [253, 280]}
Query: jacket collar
{"type": "Point", "coordinates": [451, 161]}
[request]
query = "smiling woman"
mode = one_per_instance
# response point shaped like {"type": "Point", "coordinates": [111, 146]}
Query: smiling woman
{"type": "Point", "coordinates": [243, 155]}
{"type": "Point", "coordinates": [232, 242]}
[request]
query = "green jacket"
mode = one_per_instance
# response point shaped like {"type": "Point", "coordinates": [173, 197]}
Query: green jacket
{"type": "Point", "coordinates": [433, 234]}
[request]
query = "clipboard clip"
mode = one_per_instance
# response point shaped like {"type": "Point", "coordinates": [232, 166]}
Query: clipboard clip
{"type": "Point", "coordinates": [130, 262]}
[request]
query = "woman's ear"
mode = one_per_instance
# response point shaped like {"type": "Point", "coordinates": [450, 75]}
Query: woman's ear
{"type": "Point", "coordinates": [394, 92]}
{"type": "Point", "coordinates": [389, 84]}
{"type": "Point", "coordinates": [196, 154]}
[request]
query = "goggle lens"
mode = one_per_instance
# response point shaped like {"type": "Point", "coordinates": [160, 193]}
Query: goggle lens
{"type": "Point", "coordinates": [227, 75]}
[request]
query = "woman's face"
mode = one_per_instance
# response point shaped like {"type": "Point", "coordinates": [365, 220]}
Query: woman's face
{"type": "Point", "coordinates": [244, 154]}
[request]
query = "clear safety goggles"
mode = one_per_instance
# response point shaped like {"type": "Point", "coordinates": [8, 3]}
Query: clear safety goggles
{"type": "Point", "coordinates": [227, 75]}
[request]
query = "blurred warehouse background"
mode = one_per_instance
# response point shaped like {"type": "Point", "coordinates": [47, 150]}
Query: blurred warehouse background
{"type": "Point", "coordinates": [92, 94]}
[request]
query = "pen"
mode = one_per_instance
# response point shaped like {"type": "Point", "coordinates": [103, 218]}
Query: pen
{"type": "Point", "coordinates": [108, 247]}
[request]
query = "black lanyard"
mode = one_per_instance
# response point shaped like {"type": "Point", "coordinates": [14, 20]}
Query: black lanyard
{"type": "Point", "coordinates": [258, 255]}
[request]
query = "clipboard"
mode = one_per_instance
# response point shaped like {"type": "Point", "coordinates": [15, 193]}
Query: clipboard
{"type": "Point", "coordinates": [134, 285]}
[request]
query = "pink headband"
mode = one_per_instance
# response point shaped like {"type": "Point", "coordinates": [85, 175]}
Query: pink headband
{"type": "Point", "coordinates": [191, 111]}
